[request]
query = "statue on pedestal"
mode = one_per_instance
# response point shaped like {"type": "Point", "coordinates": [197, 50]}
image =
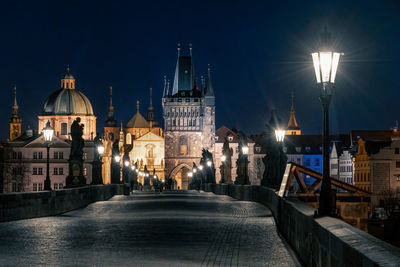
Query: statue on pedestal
{"type": "Point", "coordinates": [75, 177]}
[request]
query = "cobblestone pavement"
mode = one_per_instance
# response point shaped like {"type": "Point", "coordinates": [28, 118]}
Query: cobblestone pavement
{"type": "Point", "coordinates": [147, 229]}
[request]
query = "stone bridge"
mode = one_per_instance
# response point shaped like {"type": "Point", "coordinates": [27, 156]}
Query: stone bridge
{"type": "Point", "coordinates": [178, 228]}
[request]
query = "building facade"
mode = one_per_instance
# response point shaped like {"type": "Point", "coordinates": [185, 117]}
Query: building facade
{"type": "Point", "coordinates": [189, 121]}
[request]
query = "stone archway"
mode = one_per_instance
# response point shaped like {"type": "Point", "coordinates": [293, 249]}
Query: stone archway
{"type": "Point", "coordinates": [179, 176]}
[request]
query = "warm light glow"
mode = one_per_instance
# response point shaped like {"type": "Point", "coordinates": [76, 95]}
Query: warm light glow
{"type": "Point", "coordinates": [223, 158]}
{"type": "Point", "coordinates": [147, 175]}
{"type": "Point", "coordinates": [154, 177]}
{"type": "Point", "coordinates": [325, 66]}
{"type": "Point", "coordinates": [117, 158]}
{"type": "Point", "coordinates": [100, 149]}
{"type": "Point", "coordinates": [190, 174]}
{"type": "Point", "coordinates": [163, 180]}
{"type": "Point", "coordinates": [133, 167]}
{"type": "Point", "coordinates": [201, 167]}
{"type": "Point", "coordinates": [208, 163]}
{"type": "Point", "coordinates": [48, 132]}
{"type": "Point", "coordinates": [245, 150]}
{"type": "Point", "coordinates": [194, 170]}
{"type": "Point", "coordinates": [137, 170]}
{"type": "Point", "coordinates": [126, 163]}
{"type": "Point", "coordinates": [280, 135]}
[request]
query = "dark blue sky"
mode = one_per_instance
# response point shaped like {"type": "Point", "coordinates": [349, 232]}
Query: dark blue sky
{"type": "Point", "coordinates": [259, 52]}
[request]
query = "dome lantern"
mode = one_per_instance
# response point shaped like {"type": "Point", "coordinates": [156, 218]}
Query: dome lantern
{"type": "Point", "coordinates": [68, 81]}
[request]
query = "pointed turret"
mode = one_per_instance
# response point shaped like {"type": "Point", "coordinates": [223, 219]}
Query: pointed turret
{"type": "Point", "coordinates": [15, 120]}
{"type": "Point", "coordinates": [209, 90]}
{"type": "Point", "coordinates": [184, 73]}
{"type": "Point", "coordinates": [151, 118]}
{"type": "Point", "coordinates": [165, 86]}
{"type": "Point", "coordinates": [293, 128]}
{"type": "Point", "coordinates": [111, 122]}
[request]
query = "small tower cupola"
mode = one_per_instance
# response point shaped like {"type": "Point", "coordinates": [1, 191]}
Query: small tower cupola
{"type": "Point", "coordinates": [68, 81]}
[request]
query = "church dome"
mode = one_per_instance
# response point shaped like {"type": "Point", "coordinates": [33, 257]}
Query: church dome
{"type": "Point", "coordinates": [67, 102]}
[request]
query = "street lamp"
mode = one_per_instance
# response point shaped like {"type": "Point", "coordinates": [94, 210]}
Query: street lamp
{"type": "Point", "coordinates": [201, 167]}
{"type": "Point", "coordinates": [280, 135]}
{"type": "Point", "coordinates": [126, 163]}
{"type": "Point", "coordinates": [133, 167]}
{"type": "Point", "coordinates": [209, 163]}
{"type": "Point", "coordinates": [48, 132]}
{"type": "Point", "coordinates": [117, 158]}
{"type": "Point", "coordinates": [245, 151]}
{"type": "Point", "coordinates": [325, 65]}
{"type": "Point", "coordinates": [100, 149]}
{"type": "Point", "coordinates": [190, 174]}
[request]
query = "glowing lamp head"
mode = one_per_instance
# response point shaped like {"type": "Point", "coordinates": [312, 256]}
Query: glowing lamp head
{"type": "Point", "coordinates": [126, 163]}
{"type": "Point", "coordinates": [201, 167]}
{"type": "Point", "coordinates": [209, 163]}
{"type": "Point", "coordinates": [190, 174]}
{"type": "Point", "coordinates": [280, 135]}
{"type": "Point", "coordinates": [223, 158]}
{"type": "Point", "coordinates": [100, 149]}
{"type": "Point", "coordinates": [245, 150]}
{"type": "Point", "coordinates": [48, 132]}
{"type": "Point", "coordinates": [147, 175]}
{"type": "Point", "coordinates": [163, 180]}
{"type": "Point", "coordinates": [117, 158]}
{"type": "Point", "coordinates": [154, 176]}
{"type": "Point", "coordinates": [194, 170]}
{"type": "Point", "coordinates": [137, 170]}
{"type": "Point", "coordinates": [133, 167]}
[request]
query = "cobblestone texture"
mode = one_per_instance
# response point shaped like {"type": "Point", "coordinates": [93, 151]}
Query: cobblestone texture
{"type": "Point", "coordinates": [144, 229]}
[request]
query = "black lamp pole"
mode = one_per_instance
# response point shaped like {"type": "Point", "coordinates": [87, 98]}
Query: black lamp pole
{"type": "Point", "coordinates": [47, 182]}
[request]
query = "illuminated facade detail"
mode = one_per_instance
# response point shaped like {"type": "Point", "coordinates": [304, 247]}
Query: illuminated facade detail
{"type": "Point", "coordinates": [64, 106]}
{"type": "Point", "coordinates": [141, 139]}
{"type": "Point", "coordinates": [15, 120]}
{"type": "Point", "coordinates": [293, 128]}
{"type": "Point", "coordinates": [362, 167]}
{"type": "Point", "coordinates": [189, 121]}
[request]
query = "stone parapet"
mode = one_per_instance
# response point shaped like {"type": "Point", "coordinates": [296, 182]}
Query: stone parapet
{"type": "Point", "coordinates": [17, 206]}
{"type": "Point", "coordinates": [323, 241]}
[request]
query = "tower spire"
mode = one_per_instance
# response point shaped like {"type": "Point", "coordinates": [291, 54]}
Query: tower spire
{"type": "Point", "coordinates": [150, 111]}
{"type": "Point", "coordinates": [209, 87]}
{"type": "Point", "coordinates": [110, 122]}
{"type": "Point", "coordinates": [179, 49]}
{"type": "Point", "coordinates": [151, 97]}
{"type": "Point", "coordinates": [293, 128]}
{"type": "Point", "coordinates": [165, 86]}
{"type": "Point", "coordinates": [15, 120]}
{"type": "Point", "coordinates": [137, 106]}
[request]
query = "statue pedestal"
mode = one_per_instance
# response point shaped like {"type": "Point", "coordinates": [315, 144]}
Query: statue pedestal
{"type": "Point", "coordinates": [75, 177]}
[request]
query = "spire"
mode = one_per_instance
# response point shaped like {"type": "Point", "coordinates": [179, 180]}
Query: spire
{"type": "Point", "coordinates": [165, 86]}
{"type": "Point", "coordinates": [110, 120]}
{"type": "Point", "coordinates": [168, 88]}
{"type": "Point", "coordinates": [292, 121]}
{"type": "Point", "coordinates": [15, 120]}
{"type": "Point", "coordinates": [137, 106]}
{"type": "Point", "coordinates": [209, 87]}
{"type": "Point", "coordinates": [184, 73]}
{"type": "Point", "coordinates": [15, 106]}
{"type": "Point", "coordinates": [179, 49]}
{"type": "Point", "coordinates": [68, 69]}
{"type": "Point", "coordinates": [150, 111]}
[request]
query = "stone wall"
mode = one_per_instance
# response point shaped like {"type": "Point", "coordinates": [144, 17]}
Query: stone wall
{"type": "Point", "coordinates": [17, 206]}
{"type": "Point", "coordinates": [322, 241]}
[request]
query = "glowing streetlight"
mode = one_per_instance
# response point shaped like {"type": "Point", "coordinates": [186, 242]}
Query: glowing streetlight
{"type": "Point", "coordinates": [201, 167]}
{"type": "Point", "coordinates": [190, 174]}
{"type": "Point", "coordinates": [100, 149]}
{"type": "Point", "coordinates": [194, 170]}
{"type": "Point", "coordinates": [245, 150]}
{"type": "Point", "coordinates": [117, 158]}
{"type": "Point", "coordinates": [326, 63]}
{"type": "Point", "coordinates": [280, 135]}
{"type": "Point", "coordinates": [209, 163]}
{"type": "Point", "coordinates": [133, 167]}
{"type": "Point", "coordinates": [223, 158]}
{"type": "Point", "coordinates": [126, 163]}
{"type": "Point", "coordinates": [48, 132]}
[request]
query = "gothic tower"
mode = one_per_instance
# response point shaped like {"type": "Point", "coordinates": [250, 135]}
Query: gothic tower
{"type": "Point", "coordinates": [151, 118]}
{"type": "Point", "coordinates": [189, 121]}
{"type": "Point", "coordinates": [15, 120]}
{"type": "Point", "coordinates": [293, 128]}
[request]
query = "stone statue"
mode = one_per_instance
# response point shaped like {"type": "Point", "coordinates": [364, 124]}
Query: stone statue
{"type": "Point", "coordinates": [75, 177]}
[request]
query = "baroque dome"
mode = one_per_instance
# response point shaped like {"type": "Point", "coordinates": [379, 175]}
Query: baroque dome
{"type": "Point", "coordinates": [67, 102]}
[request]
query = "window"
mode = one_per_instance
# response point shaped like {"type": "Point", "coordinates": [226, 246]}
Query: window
{"type": "Point", "coordinates": [34, 187]}
{"type": "Point", "coordinates": [258, 149]}
{"type": "Point", "coordinates": [55, 186]}
{"type": "Point", "coordinates": [316, 163]}
{"type": "Point", "coordinates": [14, 171]}
{"type": "Point", "coordinates": [55, 171]}
{"type": "Point", "coordinates": [84, 171]}
{"type": "Point", "coordinates": [40, 171]}
{"type": "Point", "coordinates": [64, 128]}
{"type": "Point", "coordinates": [40, 155]}
{"type": "Point", "coordinates": [183, 145]}
{"type": "Point", "coordinates": [216, 138]}
{"type": "Point", "coordinates": [35, 155]}
{"type": "Point", "coordinates": [308, 148]}
{"type": "Point", "coordinates": [60, 186]}
{"type": "Point", "coordinates": [397, 164]}
{"type": "Point", "coordinates": [34, 172]}
{"type": "Point", "coordinates": [40, 187]}
{"type": "Point", "coordinates": [14, 187]}
{"type": "Point", "coordinates": [60, 171]}
{"type": "Point", "coordinates": [55, 155]}
{"type": "Point", "coordinates": [397, 150]}
{"type": "Point", "coordinates": [307, 162]}
{"type": "Point", "coordinates": [298, 149]}
{"type": "Point", "coordinates": [84, 155]}
{"type": "Point", "coordinates": [230, 138]}
{"type": "Point", "coordinates": [61, 155]}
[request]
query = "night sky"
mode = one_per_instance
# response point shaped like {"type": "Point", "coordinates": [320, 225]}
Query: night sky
{"type": "Point", "coordinates": [259, 52]}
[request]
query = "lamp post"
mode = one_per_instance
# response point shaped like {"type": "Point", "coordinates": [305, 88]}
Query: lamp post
{"type": "Point", "coordinates": [325, 65]}
{"type": "Point", "coordinates": [96, 171]}
{"type": "Point", "coordinates": [223, 158]}
{"type": "Point", "coordinates": [280, 136]}
{"type": "Point", "coordinates": [245, 151]}
{"type": "Point", "coordinates": [201, 176]}
{"type": "Point", "coordinates": [48, 132]}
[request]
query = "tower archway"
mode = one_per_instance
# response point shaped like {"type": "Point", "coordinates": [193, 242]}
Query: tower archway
{"type": "Point", "coordinates": [179, 176]}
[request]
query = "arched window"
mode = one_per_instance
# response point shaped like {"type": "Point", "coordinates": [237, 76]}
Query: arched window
{"type": "Point", "coordinates": [64, 128]}
{"type": "Point", "coordinates": [128, 139]}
